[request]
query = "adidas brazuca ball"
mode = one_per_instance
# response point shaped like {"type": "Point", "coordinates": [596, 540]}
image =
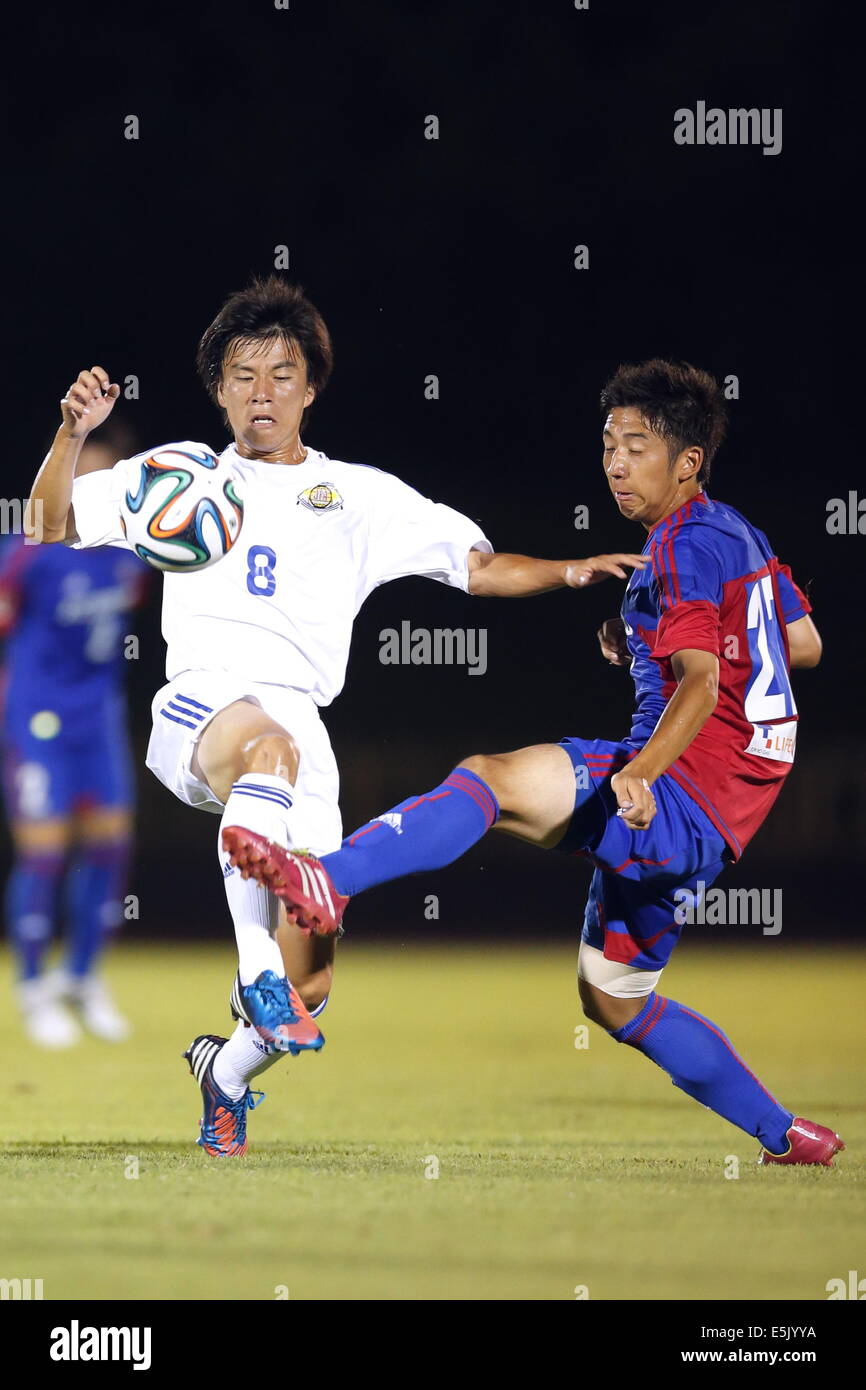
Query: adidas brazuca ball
{"type": "Point", "coordinates": [181, 510]}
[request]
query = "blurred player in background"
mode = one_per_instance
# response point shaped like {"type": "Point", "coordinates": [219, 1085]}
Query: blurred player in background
{"type": "Point", "coordinates": [710, 629]}
{"type": "Point", "coordinates": [67, 771]}
{"type": "Point", "coordinates": [258, 642]}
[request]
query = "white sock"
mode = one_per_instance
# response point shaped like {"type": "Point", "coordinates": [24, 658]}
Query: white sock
{"type": "Point", "coordinates": [271, 806]}
{"type": "Point", "coordinates": [242, 1058]}
{"type": "Point", "coordinates": [260, 802]}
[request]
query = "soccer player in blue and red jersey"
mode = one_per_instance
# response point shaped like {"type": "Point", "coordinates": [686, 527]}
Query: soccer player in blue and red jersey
{"type": "Point", "coordinates": [711, 627]}
{"type": "Point", "coordinates": [67, 774]}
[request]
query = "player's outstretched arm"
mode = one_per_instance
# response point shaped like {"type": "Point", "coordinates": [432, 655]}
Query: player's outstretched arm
{"type": "Point", "coordinates": [89, 400]}
{"type": "Point", "coordinates": [521, 576]}
{"type": "Point", "coordinates": [804, 642]}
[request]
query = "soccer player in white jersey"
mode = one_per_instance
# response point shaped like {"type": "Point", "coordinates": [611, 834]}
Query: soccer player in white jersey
{"type": "Point", "coordinates": [257, 643]}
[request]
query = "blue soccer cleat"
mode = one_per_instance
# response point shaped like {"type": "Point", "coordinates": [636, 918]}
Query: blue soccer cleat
{"type": "Point", "coordinates": [224, 1122]}
{"type": "Point", "coordinates": [273, 1007]}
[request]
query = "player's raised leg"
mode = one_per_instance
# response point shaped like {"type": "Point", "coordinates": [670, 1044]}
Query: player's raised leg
{"type": "Point", "coordinates": [250, 762]}
{"type": "Point", "coordinates": [529, 793]}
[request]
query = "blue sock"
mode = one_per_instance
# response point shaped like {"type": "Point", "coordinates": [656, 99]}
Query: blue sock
{"type": "Point", "coordinates": [425, 832]}
{"type": "Point", "coordinates": [699, 1059]}
{"type": "Point", "coordinates": [32, 908]}
{"type": "Point", "coordinates": [94, 901]}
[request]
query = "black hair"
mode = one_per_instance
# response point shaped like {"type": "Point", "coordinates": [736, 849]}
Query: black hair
{"type": "Point", "coordinates": [680, 403]}
{"type": "Point", "coordinates": [268, 308]}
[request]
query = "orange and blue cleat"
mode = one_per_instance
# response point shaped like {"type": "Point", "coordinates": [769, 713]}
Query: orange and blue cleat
{"type": "Point", "coordinates": [299, 879]}
{"type": "Point", "coordinates": [807, 1143]}
{"type": "Point", "coordinates": [272, 1006]}
{"type": "Point", "coordinates": [224, 1122]}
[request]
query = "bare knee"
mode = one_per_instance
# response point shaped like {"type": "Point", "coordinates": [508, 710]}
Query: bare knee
{"type": "Point", "coordinates": [242, 739]}
{"type": "Point", "coordinates": [274, 752]}
{"type": "Point", "coordinates": [492, 768]}
{"type": "Point", "coordinates": [534, 789]}
{"type": "Point", "coordinates": [608, 1011]}
{"type": "Point", "coordinates": [480, 763]}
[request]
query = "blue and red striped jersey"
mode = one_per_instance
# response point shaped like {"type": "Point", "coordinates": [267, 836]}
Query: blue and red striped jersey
{"type": "Point", "coordinates": [715, 585]}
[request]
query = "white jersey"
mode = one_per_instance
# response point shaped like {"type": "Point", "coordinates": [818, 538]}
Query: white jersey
{"type": "Point", "coordinates": [317, 538]}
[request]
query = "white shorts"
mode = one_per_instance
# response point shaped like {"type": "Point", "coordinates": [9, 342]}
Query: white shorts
{"type": "Point", "coordinates": [184, 708]}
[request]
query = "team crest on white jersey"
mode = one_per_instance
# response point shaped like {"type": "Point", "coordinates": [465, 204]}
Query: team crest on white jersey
{"type": "Point", "coordinates": [322, 497]}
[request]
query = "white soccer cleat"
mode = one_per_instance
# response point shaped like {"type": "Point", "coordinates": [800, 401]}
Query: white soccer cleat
{"type": "Point", "coordinates": [90, 998]}
{"type": "Point", "coordinates": [46, 1021]}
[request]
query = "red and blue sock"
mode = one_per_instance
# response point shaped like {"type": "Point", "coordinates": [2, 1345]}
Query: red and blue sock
{"type": "Point", "coordinates": [32, 907]}
{"type": "Point", "coordinates": [426, 832]}
{"type": "Point", "coordinates": [701, 1061]}
{"type": "Point", "coordinates": [95, 886]}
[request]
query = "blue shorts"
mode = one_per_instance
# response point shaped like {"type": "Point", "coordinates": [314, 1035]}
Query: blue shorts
{"type": "Point", "coordinates": [56, 763]}
{"type": "Point", "coordinates": [630, 912]}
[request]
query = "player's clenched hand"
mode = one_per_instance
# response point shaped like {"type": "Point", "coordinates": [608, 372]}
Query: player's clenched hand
{"type": "Point", "coordinates": [579, 574]}
{"type": "Point", "coordinates": [635, 800]}
{"type": "Point", "coordinates": [89, 400]}
{"type": "Point", "coordinates": [613, 641]}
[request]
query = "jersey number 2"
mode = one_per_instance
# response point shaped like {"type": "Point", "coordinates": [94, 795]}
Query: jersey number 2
{"type": "Point", "coordinates": [769, 695]}
{"type": "Point", "coordinates": [260, 570]}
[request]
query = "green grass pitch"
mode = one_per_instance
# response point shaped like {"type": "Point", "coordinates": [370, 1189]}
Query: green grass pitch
{"type": "Point", "coordinates": [559, 1167]}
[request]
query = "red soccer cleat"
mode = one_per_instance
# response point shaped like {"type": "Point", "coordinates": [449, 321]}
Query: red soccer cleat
{"type": "Point", "coordinates": [808, 1143]}
{"type": "Point", "coordinates": [300, 880]}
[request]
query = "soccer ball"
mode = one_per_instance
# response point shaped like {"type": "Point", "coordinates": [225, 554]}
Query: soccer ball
{"type": "Point", "coordinates": [181, 510]}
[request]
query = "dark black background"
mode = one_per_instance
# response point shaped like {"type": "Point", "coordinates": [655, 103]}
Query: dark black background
{"type": "Point", "coordinates": [305, 127]}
